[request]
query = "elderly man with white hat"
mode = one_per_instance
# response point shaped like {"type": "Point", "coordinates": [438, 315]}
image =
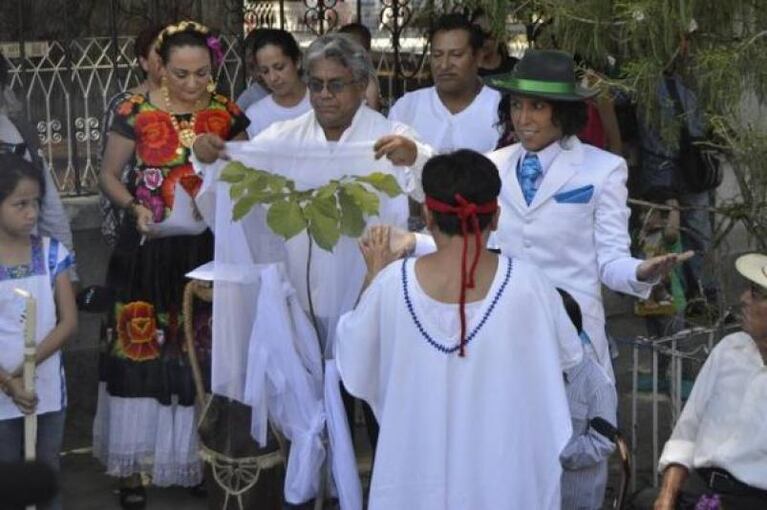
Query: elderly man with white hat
{"type": "Point", "coordinates": [718, 449]}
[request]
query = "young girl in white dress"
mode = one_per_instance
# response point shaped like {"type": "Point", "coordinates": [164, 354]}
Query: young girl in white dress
{"type": "Point", "coordinates": [37, 265]}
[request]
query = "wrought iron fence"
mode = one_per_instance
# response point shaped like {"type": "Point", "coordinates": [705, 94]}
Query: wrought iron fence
{"type": "Point", "coordinates": [65, 85]}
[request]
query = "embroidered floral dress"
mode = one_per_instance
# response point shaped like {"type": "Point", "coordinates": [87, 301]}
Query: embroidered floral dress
{"type": "Point", "coordinates": [145, 416]}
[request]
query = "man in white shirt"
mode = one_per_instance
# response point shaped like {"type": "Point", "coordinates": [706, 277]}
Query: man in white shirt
{"type": "Point", "coordinates": [458, 112]}
{"type": "Point", "coordinates": [720, 440]}
{"type": "Point", "coordinates": [460, 353]}
{"type": "Point", "coordinates": [338, 72]}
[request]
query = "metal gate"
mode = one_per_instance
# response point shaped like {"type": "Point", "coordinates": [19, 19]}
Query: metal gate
{"type": "Point", "coordinates": [65, 73]}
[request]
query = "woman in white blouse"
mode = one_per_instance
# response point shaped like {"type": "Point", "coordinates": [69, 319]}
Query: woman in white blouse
{"type": "Point", "coordinates": [278, 63]}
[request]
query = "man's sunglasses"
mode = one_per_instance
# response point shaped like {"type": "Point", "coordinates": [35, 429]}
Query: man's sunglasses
{"type": "Point", "coordinates": [333, 86]}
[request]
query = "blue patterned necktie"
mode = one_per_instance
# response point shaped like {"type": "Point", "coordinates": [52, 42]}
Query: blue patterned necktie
{"type": "Point", "coordinates": [529, 171]}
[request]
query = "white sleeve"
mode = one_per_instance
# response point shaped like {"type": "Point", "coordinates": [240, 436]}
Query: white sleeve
{"type": "Point", "coordinates": [617, 268]}
{"type": "Point", "coordinates": [680, 448]}
{"type": "Point", "coordinates": [358, 346]}
{"type": "Point", "coordinates": [413, 173]}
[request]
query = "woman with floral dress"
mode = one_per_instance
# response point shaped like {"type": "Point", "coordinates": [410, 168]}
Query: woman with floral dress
{"type": "Point", "coordinates": [145, 420]}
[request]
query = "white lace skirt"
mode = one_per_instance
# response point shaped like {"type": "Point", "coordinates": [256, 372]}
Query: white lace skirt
{"type": "Point", "coordinates": [135, 435]}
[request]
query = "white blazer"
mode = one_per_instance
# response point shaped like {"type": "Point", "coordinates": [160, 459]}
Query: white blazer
{"type": "Point", "coordinates": [575, 229]}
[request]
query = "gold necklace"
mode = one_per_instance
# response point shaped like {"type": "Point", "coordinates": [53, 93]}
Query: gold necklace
{"type": "Point", "coordinates": [186, 135]}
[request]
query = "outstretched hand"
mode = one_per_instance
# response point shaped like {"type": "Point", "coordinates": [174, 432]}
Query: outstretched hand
{"type": "Point", "coordinates": [657, 267]}
{"type": "Point", "coordinates": [377, 250]}
{"type": "Point", "coordinates": [400, 150]}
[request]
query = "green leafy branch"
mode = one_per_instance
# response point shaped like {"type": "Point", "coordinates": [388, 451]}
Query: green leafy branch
{"type": "Point", "coordinates": [339, 207]}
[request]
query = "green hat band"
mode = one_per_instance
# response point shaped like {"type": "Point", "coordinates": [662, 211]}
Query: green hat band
{"type": "Point", "coordinates": [547, 87]}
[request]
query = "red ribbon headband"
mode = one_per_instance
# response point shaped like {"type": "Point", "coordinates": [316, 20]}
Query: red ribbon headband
{"type": "Point", "coordinates": [466, 211]}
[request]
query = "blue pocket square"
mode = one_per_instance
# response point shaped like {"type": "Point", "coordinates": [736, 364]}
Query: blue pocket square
{"type": "Point", "coordinates": [575, 196]}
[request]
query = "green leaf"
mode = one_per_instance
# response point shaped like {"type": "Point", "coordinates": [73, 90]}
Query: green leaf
{"type": "Point", "coordinates": [243, 206]}
{"type": "Point", "coordinates": [255, 182]}
{"type": "Point", "coordinates": [328, 206]}
{"type": "Point", "coordinates": [276, 182]}
{"type": "Point", "coordinates": [233, 172]}
{"type": "Point", "coordinates": [385, 183]}
{"type": "Point", "coordinates": [352, 222]}
{"type": "Point", "coordinates": [365, 199]}
{"type": "Point", "coordinates": [285, 218]}
{"type": "Point", "coordinates": [237, 189]}
{"type": "Point", "coordinates": [327, 190]}
{"type": "Point", "coordinates": [322, 227]}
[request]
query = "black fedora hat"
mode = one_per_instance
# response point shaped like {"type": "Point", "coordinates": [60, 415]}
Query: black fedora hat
{"type": "Point", "coordinates": [548, 74]}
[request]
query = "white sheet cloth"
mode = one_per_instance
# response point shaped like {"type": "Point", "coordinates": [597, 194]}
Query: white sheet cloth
{"type": "Point", "coordinates": [480, 432]}
{"type": "Point", "coordinates": [265, 352]}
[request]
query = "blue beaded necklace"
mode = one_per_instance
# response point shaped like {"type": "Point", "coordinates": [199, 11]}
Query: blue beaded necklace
{"type": "Point", "coordinates": [425, 334]}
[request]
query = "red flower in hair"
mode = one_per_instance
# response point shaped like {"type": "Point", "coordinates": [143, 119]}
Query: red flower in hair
{"type": "Point", "coordinates": [213, 121]}
{"type": "Point", "coordinates": [156, 139]}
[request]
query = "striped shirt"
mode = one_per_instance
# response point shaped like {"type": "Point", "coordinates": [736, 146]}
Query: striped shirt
{"type": "Point", "coordinates": [584, 460]}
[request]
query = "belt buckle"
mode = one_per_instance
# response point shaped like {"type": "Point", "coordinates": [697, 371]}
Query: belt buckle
{"type": "Point", "coordinates": [720, 482]}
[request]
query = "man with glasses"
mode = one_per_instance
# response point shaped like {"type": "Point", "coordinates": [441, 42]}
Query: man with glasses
{"type": "Point", "coordinates": [338, 71]}
{"type": "Point", "coordinates": [718, 449]}
{"type": "Point", "coordinates": [458, 112]}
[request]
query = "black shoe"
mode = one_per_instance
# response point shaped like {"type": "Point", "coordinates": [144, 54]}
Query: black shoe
{"type": "Point", "coordinates": [133, 498]}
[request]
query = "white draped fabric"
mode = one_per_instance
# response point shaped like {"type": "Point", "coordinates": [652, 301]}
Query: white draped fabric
{"type": "Point", "coordinates": [265, 350]}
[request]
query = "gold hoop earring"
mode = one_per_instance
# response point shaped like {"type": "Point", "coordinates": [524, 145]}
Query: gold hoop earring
{"type": "Point", "coordinates": [211, 86]}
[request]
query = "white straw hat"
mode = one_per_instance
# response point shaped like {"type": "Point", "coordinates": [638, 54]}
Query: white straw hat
{"type": "Point", "coordinates": [753, 266]}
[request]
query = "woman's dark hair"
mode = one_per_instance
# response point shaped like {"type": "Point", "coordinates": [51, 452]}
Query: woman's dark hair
{"type": "Point", "coordinates": [467, 173]}
{"type": "Point", "coordinates": [457, 21]}
{"type": "Point", "coordinates": [186, 33]}
{"type": "Point", "coordinates": [277, 37]}
{"type": "Point", "coordinates": [13, 169]}
{"type": "Point", "coordinates": [570, 116]}
{"type": "Point", "coordinates": [145, 39]}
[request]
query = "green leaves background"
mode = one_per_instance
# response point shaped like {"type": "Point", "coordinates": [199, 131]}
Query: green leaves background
{"type": "Point", "coordinates": [337, 208]}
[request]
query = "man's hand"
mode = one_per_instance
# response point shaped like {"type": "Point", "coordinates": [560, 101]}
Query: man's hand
{"type": "Point", "coordinates": [400, 150]}
{"type": "Point", "coordinates": [401, 241]}
{"type": "Point", "coordinates": [376, 249]}
{"type": "Point", "coordinates": [664, 503]}
{"type": "Point", "coordinates": [209, 147]}
{"type": "Point", "coordinates": [24, 400]}
{"type": "Point", "coordinates": [658, 267]}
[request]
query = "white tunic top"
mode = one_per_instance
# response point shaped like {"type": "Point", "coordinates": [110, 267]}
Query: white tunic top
{"type": "Point", "coordinates": [49, 258]}
{"type": "Point", "coordinates": [723, 423]}
{"type": "Point", "coordinates": [473, 128]}
{"type": "Point", "coordinates": [482, 432]}
{"type": "Point", "coordinates": [265, 112]}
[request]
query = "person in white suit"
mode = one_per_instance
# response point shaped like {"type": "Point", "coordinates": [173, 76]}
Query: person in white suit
{"type": "Point", "coordinates": [563, 202]}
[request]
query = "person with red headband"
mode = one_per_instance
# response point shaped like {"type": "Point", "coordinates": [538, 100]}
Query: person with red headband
{"type": "Point", "coordinates": [459, 354]}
